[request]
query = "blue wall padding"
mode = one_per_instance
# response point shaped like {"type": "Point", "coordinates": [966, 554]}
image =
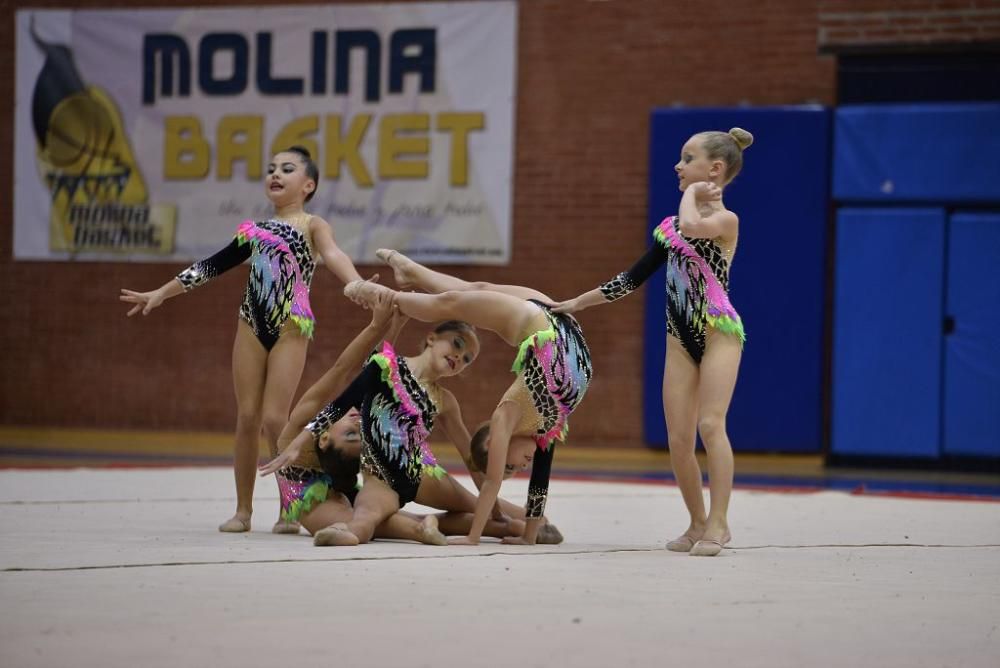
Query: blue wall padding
{"type": "Point", "coordinates": [887, 332]}
{"type": "Point", "coordinates": [917, 153]}
{"type": "Point", "coordinates": [972, 350]}
{"type": "Point", "coordinates": [777, 277]}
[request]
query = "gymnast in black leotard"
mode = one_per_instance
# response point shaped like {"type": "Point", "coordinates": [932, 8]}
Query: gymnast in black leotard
{"type": "Point", "coordinates": [705, 333]}
{"type": "Point", "coordinates": [281, 270]}
{"type": "Point", "coordinates": [697, 285]}
{"type": "Point", "coordinates": [276, 321]}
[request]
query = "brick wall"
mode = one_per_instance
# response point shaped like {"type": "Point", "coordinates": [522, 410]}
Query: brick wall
{"type": "Point", "coordinates": [588, 75]}
{"type": "Point", "coordinates": [854, 23]}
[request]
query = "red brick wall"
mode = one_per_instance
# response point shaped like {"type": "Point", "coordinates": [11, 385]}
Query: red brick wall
{"type": "Point", "coordinates": [588, 75]}
{"type": "Point", "coordinates": [851, 23]}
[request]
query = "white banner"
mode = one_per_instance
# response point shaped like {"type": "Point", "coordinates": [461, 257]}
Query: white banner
{"type": "Point", "coordinates": [145, 135]}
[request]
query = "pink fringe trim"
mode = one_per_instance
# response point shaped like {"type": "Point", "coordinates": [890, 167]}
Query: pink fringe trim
{"type": "Point", "coordinates": [721, 313]}
{"type": "Point", "coordinates": [390, 373]}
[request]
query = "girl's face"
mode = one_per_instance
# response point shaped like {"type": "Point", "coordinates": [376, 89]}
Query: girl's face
{"type": "Point", "coordinates": [520, 454]}
{"type": "Point", "coordinates": [451, 352]}
{"type": "Point", "coordinates": [694, 165]}
{"type": "Point", "coordinates": [344, 435]}
{"type": "Point", "coordinates": [286, 181]}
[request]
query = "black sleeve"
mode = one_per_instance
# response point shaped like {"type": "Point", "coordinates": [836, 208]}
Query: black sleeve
{"type": "Point", "coordinates": [350, 398]}
{"type": "Point", "coordinates": [538, 486]}
{"type": "Point", "coordinates": [630, 280]}
{"type": "Point", "coordinates": [202, 271]}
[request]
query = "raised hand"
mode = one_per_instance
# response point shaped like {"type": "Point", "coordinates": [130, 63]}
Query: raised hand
{"type": "Point", "coordinates": [706, 191]}
{"type": "Point", "coordinates": [383, 308]}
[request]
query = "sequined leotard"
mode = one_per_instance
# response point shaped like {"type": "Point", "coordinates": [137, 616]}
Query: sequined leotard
{"type": "Point", "coordinates": [281, 271]}
{"type": "Point", "coordinates": [305, 483]}
{"type": "Point", "coordinates": [397, 415]}
{"type": "Point", "coordinates": [553, 370]}
{"type": "Point", "coordinates": [697, 286]}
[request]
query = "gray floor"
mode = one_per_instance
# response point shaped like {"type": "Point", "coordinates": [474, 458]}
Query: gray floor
{"type": "Point", "coordinates": [124, 568]}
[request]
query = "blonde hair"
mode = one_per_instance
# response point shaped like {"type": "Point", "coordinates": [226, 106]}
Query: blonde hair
{"type": "Point", "coordinates": [727, 147]}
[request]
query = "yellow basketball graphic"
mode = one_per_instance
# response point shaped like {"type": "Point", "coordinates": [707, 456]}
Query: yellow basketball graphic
{"type": "Point", "coordinates": [99, 198]}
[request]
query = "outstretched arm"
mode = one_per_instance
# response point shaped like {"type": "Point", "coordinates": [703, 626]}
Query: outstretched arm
{"type": "Point", "coordinates": [335, 259]}
{"type": "Point", "coordinates": [502, 424]}
{"type": "Point", "coordinates": [619, 286]}
{"type": "Point", "coordinates": [147, 301]}
{"type": "Point", "coordinates": [197, 274]}
{"type": "Point", "coordinates": [288, 454]}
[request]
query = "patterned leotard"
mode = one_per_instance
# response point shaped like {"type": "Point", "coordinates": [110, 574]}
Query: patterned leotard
{"type": "Point", "coordinates": [281, 271]}
{"type": "Point", "coordinates": [553, 366]}
{"type": "Point", "coordinates": [697, 286]}
{"type": "Point", "coordinates": [307, 482]}
{"type": "Point", "coordinates": [397, 415]}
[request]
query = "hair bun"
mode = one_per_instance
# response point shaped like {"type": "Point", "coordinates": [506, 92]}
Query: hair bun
{"type": "Point", "coordinates": [742, 137]}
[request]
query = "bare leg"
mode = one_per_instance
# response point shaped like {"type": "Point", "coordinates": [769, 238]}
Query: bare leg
{"type": "Point", "coordinates": [409, 273]}
{"type": "Point", "coordinates": [459, 524]}
{"type": "Point", "coordinates": [375, 503]}
{"type": "Point", "coordinates": [511, 318]}
{"type": "Point", "coordinates": [335, 509]}
{"type": "Point", "coordinates": [448, 494]}
{"type": "Point", "coordinates": [680, 384]}
{"type": "Point", "coordinates": [445, 493]}
{"type": "Point", "coordinates": [249, 369]}
{"type": "Point", "coordinates": [407, 526]}
{"type": "Point", "coordinates": [284, 369]}
{"type": "Point", "coordinates": [719, 368]}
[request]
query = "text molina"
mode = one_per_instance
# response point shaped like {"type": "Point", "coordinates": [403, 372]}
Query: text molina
{"type": "Point", "coordinates": [166, 63]}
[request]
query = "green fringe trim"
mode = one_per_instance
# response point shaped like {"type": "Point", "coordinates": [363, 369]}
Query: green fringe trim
{"type": "Point", "coordinates": [660, 237]}
{"type": "Point", "coordinates": [434, 471]}
{"type": "Point", "coordinates": [539, 338]}
{"type": "Point", "coordinates": [383, 363]}
{"type": "Point", "coordinates": [314, 494]}
{"type": "Point", "coordinates": [306, 326]}
{"type": "Point", "coordinates": [727, 325]}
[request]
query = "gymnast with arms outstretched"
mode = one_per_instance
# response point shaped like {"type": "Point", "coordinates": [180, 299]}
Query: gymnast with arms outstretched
{"type": "Point", "coordinates": [275, 317]}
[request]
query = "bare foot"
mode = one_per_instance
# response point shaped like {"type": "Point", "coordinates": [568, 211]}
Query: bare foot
{"type": "Point", "coordinates": [429, 532]}
{"type": "Point", "coordinates": [283, 526]}
{"type": "Point", "coordinates": [238, 523]}
{"type": "Point", "coordinates": [400, 266]}
{"type": "Point", "coordinates": [335, 534]}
